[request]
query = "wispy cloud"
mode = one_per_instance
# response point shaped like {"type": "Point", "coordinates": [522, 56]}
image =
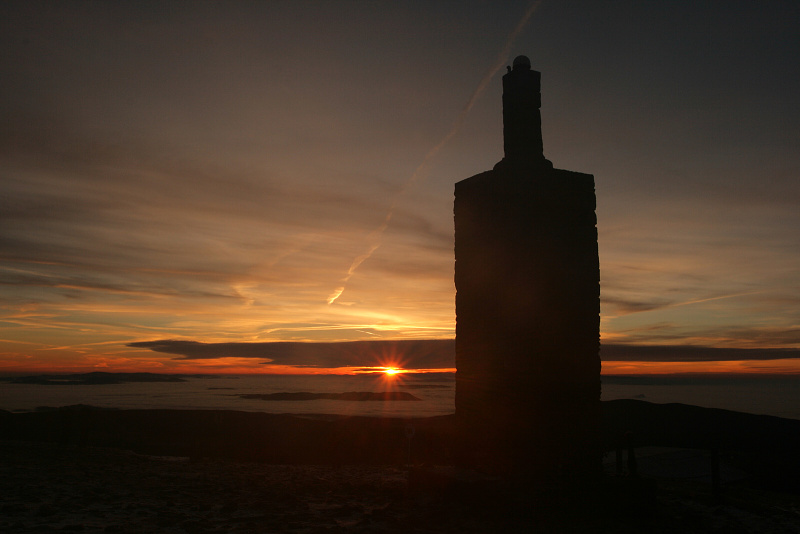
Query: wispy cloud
{"type": "Point", "coordinates": [375, 237]}
{"type": "Point", "coordinates": [689, 353]}
{"type": "Point", "coordinates": [410, 354]}
{"type": "Point", "coordinates": [430, 354]}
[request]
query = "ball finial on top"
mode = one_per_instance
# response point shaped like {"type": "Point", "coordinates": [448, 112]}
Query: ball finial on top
{"type": "Point", "coordinates": [521, 62]}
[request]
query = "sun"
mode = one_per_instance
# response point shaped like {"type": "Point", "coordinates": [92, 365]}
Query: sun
{"type": "Point", "coordinates": [391, 371]}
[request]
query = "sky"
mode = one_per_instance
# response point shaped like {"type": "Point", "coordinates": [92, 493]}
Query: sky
{"type": "Point", "coordinates": [183, 184]}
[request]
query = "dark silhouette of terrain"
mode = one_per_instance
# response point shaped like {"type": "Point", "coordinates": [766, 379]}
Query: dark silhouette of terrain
{"type": "Point", "coordinates": [69, 469]}
{"type": "Point", "coordinates": [765, 447]}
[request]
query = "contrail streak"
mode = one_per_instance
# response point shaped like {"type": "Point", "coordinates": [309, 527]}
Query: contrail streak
{"type": "Point", "coordinates": [375, 236]}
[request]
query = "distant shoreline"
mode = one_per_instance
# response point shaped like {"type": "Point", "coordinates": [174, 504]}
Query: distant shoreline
{"type": "Point", "coordinates": [771, 394]}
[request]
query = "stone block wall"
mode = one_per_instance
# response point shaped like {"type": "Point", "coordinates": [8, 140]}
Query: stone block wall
{"type": "Point", "coordinates": [527, 320]}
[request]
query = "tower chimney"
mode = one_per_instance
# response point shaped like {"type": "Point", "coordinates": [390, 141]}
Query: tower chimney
{"type": "Point", "coordinates": [522, 120]}
{"type": "Point", "coordinates": [527, 304]}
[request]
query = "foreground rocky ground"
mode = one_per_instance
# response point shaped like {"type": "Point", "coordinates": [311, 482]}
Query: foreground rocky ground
{"type": "Point", "coordinates": [48, 487]}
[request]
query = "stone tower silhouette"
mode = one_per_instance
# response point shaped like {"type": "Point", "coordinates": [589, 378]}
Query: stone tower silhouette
{"type": "Point", "coordinates": [527, 282]}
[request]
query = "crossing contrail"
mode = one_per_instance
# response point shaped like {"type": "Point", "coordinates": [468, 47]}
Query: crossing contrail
{"type": "Point", "coordinates": [374, 238]}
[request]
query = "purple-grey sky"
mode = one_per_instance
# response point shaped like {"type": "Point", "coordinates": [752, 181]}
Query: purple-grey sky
{"type": "Point", "coordinates": [218, 172]}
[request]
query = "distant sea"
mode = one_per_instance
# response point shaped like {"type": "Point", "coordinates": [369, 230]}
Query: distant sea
{"type": "Point", "coordinates": [760, 394]}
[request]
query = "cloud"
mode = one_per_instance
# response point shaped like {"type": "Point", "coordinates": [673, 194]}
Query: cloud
{"type": "Point", "coordinates": [124, 215]}
{"type": "Point", "coordinates": [428, 354]}
{"type": "Point", "coordinates": [679, 353]}
{"type": "Point", "coordinates": [623, 306]}
{"type": "Point", "coordinates": [181, 171]}
{"type": "Point", "coordinates": [408, 354]}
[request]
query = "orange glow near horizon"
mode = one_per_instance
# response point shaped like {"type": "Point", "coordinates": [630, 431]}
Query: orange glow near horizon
{"type": "Point", "coordinates": [390, 365]}
{"type": "Point", "coordinates": [219, 366]}
{"type": "Point", "coordinates": [787, 366]}
{"type": "Point", "coordinates": [227, 366]}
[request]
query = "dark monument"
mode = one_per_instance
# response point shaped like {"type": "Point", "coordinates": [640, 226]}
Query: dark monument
{"type": "Point", "coordinates": [527, 281]}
